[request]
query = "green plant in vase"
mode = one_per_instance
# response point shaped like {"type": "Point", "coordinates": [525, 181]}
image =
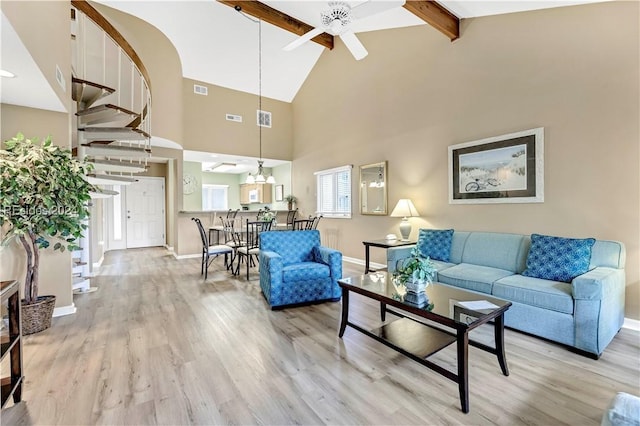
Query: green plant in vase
{"type": "Point", "coordinates": [415, 272]}
{"type": "Point", "coordinates": [268, 216]}
{"type": "Point", "coordinates": [44, 196]}
{"type": "Point", "coordinates": [291, 200]}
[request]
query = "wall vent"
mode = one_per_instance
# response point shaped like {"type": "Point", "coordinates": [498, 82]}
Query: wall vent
{"type": "Point", "coordinates": [200, 90]}
{"type": "Point", "coordinates": [60, 79]}
{"type": "Point", "coordinates": [236, 118]}
{"type": "Point", "coordinates": [264, 118]}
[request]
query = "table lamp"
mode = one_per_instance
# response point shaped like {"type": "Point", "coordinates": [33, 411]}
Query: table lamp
{"type": "Point", "coordinates": [405, 209]}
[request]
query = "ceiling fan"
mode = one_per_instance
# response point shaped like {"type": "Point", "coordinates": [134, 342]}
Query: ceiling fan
{"type": "Point", "coordinates": [337, 21]}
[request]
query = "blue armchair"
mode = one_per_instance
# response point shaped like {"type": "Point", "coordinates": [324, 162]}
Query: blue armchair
{"type": "Point", "coordinates": [296, 269]}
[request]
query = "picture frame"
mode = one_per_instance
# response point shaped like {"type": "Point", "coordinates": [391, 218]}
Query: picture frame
{"type": "Point", "coordinates": [279, 192]}
{"type": "Point", "coordinates": [501, 169]}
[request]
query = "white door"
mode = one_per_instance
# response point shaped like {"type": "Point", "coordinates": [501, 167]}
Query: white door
{"type": "Point", "coordinates": [145, 212]}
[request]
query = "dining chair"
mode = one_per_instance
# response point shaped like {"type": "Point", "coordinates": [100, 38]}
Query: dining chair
{"type": "Point", "coordinates": [210, 252]}
{"type": "Point", "coordinates": [251, 249]}
{"type": "Point", "coordinates": [219, 228]}
{"type": "Point", "coordinates": [301, 224]}
{"type": "Point", "coordinates": [316, 220]}
{"type": "Point", "coordinates": [291, 216]}
{"type": "Point", "coordinates": [233, 238]}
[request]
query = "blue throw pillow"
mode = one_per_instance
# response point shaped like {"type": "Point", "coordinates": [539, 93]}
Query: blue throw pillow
{"type": "Point", "coordinates": [558, 259]}
{"type": "Point", "coordinates": [435, 243]}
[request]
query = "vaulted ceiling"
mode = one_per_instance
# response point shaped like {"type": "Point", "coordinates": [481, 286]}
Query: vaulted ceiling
{"type": "Point", "coordinates": [219, 45]}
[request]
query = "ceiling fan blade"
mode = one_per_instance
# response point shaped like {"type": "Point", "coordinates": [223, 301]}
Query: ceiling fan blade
{"type": "Point", "coordinates": [303, 38]}
{"type": "Point", "coordinates": [373, 7]}
{"type": "Point", "coordinates": [353, 44]}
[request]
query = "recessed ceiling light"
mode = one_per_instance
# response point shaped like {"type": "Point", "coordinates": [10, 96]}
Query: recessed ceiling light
{"type": "Point", "coordinates": [4, 73]}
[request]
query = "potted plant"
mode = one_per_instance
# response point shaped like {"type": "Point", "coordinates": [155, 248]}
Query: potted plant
{"type": "Point", "coordinates": [267, 215]}
{"type": "Point", "coordinates": [44, 196]}
{"type": "Point", "coordinates": [291, 200]}
{"type": "Point", "coordinates": [415, 272]}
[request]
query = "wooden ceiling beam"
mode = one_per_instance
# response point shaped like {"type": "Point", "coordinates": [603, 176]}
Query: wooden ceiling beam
{"type": "Point", "coordinates": [435, 15]}
{"type": "Point", "coordinates": [279, 19]}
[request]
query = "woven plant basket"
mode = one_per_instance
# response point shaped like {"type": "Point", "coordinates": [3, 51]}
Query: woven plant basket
{"type": "Point", "coordinates": [36, 317]}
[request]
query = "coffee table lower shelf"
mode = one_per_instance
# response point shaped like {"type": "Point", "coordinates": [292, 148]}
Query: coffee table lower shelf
{"type": "Point", "coordinates": [413, 339]}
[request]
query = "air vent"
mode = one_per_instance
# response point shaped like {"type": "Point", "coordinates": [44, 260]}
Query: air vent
{"type": "Point", "coordinates": [264, 118]}
{"type": "Point", "coordinates": [236, 118]}
{"type": "Point", "coordinates": [60, 79]}
{"type": "Point", "coordinates": [200, 90]}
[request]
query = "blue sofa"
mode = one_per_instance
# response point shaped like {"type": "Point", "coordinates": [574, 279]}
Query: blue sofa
{"type": "Point", "coordinates": [295, 269]}
{"type": "Point", "coordinates": [585, 313]}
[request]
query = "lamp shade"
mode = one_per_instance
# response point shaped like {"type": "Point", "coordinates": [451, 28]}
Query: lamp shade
{"type": "Point", "coordinates": [404, 208]}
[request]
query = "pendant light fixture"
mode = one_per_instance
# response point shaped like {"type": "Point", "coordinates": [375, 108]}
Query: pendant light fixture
{"type": "Point", "coordinates": [259, 177]}
{"type": "Point", "coordinates": [379, 182]}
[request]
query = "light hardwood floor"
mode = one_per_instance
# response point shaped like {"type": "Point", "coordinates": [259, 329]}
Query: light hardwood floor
{"type": "Point", "coordinates": [158, 345]}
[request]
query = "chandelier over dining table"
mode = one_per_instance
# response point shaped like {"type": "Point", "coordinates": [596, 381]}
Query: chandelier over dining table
{"type": "Point", "coordinates": [259, 177]}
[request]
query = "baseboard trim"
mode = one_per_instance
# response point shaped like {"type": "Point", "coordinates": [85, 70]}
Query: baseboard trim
{"type": "Point", "coordinates": [186, 256]}
{"type": "Point", "coordinates": [631, 324]}
{"type": "Point", "coordinates": [360, 262]}
{"type": "Point", "coordinates": [64, 310]}
{"type": "Point", "coordinates": [169, 248]}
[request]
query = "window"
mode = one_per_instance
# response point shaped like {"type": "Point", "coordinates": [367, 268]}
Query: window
{"type": "Point", "coordinates": [215, 197]}
{"type": "Point", "coordinates": [333, 187]}
{"type": "Point", "coordinates": [117, 213]}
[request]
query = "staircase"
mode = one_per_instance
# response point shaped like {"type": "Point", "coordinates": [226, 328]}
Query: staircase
{"type": "Point", "coordinates": [106, 137]}
{"type": "Point", "coordinates": [111, 89]}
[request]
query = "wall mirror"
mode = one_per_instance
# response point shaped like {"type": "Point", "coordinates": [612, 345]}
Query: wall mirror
{"type": "Point", "coordinates": [373, 189]}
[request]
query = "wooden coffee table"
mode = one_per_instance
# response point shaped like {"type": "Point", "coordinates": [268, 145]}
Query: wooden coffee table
{"type": "Point", "coordinates": [441, 316]}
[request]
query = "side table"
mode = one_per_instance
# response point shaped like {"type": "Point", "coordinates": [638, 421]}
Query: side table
{"type": "Point", "coordinates": [385, 244]}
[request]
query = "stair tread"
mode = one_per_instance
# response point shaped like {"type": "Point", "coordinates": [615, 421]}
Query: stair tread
{"type": "Point", "coordinates": [106, 115]}
{"type": "Point", "coordinates": [102, 145]}
{"type": "Point", "coordinates": [103, 191]}
{"type": "Point", "coordinates": [92, 84]}
{"type": "Point", "coordinates": [88, 92]}
{"type": "Point", "coordinates": [116, 178]}
{"type": "Point", "coordinates": [117, 165]}
{"type": "Point", "coordinates": [105, 107]}
{"type": "Point", "coordinates": [116, 151]}
{"type": "Point", "coordinates": [125, 133]}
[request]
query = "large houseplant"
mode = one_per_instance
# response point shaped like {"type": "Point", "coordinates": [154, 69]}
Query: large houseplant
{"type": "Point", "coordinates": [44, 196]}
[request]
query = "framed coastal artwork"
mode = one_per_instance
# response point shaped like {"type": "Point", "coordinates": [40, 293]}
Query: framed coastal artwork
{"type": "Point", "coordinates": [500, 169]}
